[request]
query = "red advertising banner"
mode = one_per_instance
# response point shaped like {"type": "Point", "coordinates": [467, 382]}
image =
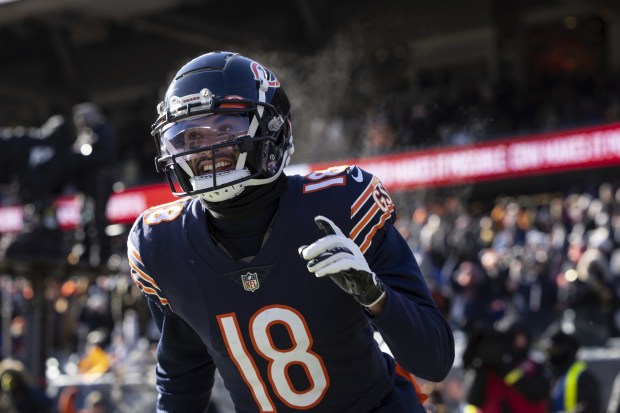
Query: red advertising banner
{"type": "Point", "coordinates": [124, 207]}
{"type": "Point", "coordinates": [511, 158]}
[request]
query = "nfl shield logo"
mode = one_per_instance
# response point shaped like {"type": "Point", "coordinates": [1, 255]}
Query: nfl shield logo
{"type": "Point", "coordinates": [250, 281]}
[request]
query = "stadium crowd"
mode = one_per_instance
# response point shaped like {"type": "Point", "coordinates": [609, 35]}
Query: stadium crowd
{"type": "Point", "coordinates": [539, 259]}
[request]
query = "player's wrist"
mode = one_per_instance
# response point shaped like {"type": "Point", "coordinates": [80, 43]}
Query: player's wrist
{"type": "Point", "coordinates": [369, 289]}
{"type": "Point", "coordinates": [376, 308]}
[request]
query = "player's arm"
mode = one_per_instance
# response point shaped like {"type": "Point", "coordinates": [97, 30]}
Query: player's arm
{"type": "Point", "coordinates": [185, 370]}
{"type": "Point", "coordinates": [374, 264]}
{"type": "Point", "coordinates": [412, 326]}
{"type": "Point", "coordinates": [409, 321]}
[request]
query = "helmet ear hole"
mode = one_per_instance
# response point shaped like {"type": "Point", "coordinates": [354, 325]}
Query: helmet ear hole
{"type": "Point", "coordinates": [265, 159]}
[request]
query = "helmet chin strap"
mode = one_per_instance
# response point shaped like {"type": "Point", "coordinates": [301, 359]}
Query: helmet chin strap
{"type": "Point", "coordinates": [222, 194]}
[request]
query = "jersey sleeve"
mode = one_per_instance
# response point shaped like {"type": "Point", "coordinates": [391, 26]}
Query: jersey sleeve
{"type": "Point", "coordinates": [185, 369]}
{"type": "Point", "coordinates": [138, 271]}
{"type": "Point", "coordinates": [411, 324]}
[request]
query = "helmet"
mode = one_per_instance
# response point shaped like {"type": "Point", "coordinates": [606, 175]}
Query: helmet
{"type": "Point", "coordinates": [224, 124]}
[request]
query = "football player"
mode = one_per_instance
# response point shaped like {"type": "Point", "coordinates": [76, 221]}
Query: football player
{"type": "Point", "coordinates": [277, 281]}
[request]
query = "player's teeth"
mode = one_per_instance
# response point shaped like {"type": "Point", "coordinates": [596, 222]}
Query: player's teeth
{"type": "Point", "coordinates": [218, 165]}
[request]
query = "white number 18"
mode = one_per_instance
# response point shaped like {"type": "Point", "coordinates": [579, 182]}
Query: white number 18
{"type": "Point", "coordinates": [280, 360]}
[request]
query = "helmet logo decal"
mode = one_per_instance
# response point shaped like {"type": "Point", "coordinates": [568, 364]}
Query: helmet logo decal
{"type": "Point", "coordinates": [266, 78]}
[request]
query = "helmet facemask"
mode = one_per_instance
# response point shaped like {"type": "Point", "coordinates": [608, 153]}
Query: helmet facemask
{"type": "Point", "coordinates": [214, 149]}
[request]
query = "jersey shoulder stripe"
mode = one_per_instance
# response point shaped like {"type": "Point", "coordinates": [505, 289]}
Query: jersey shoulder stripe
{"type": "Point", "coordinates": [370, 209]}
{"type": "Point", "coordinates": [145, 282]}
{"type": "Point", "coordinates": [370, 203]}
{"type": "Point", "coordinates": [364, 196]}
{"type": "Point", "coordinates": [376, 227]}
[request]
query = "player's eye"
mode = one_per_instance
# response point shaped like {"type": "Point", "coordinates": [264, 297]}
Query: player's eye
{"type": "Point", "coordinates": [194, 139]}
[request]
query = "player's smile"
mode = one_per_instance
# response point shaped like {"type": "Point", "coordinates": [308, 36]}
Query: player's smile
{"type": "Point", "coordinates": [226, 160]}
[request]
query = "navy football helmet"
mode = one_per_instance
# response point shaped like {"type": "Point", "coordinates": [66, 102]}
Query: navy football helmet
{"type": "Point", "coordinates": [224, 124]}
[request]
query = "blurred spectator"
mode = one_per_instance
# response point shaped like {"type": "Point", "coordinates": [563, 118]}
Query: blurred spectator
{"type": "Point", "coordinates": [97, 142]}
{"type": "Point", "coordinates": [576, 389]}
{"type": "Point", "coordinates": [96, 313]}
{"type": "Point", "coordinates": [470, 302]}
{"type": "Point", "coordinates": [18, 394]}
{"type": "Point", "coordinates": [432, 238]}
{"type": "Point", "coordinates": [590, 293]}
{"type": "Point", "coordinates": [529, 274]}
{"type": "Point", "coordinates": [69, 150]}
{"type": "Point", "coordinates": [501, 376]}
{"type": "Point", "coordinates": [38, 166]}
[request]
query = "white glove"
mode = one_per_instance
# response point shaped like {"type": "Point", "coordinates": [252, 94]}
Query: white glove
{"type": "Point", "coordinates": [340, 258]}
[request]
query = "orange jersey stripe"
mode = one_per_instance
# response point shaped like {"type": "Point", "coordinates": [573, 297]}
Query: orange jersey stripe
{"type": "Point", "coordinates": [364, 196]}
{"type": "Point", "coordinates": [144, 275]}
{"type": "Point", "coordinates": [373, 231]}
{"type": "Point", "coordinates": [361, 224]}
{"type": "Point", "coordinates": [149, 290]}
{"type": "Point", "coordinates": [404, 373]}
{"type": "Point", "coordinates": [134, 251]}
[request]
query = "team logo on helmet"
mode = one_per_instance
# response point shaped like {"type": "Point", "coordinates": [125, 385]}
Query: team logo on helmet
{"type": "Point", "coordinates": [267, 79]}
{"type": "Point", "coordinates": [250, 281]}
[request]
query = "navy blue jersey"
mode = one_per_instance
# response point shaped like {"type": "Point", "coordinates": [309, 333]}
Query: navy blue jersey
{"type": "Point", "coordinates": [283, 339]}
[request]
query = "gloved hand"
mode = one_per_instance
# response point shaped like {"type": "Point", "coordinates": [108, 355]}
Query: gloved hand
{"type": "Point", "coordinates": [340, 258]}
